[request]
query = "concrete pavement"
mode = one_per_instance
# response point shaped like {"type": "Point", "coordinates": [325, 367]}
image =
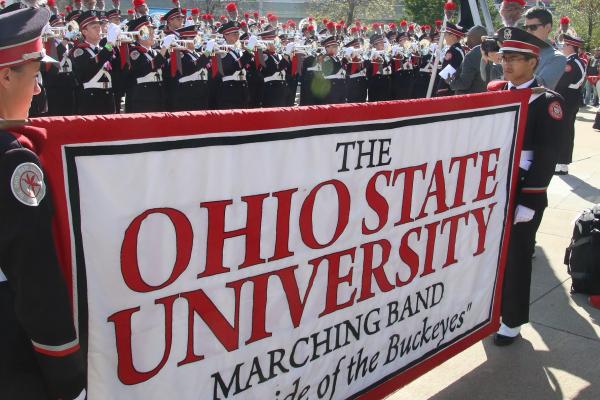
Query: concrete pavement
{"type": "Point", "coordinates": [559, 355]}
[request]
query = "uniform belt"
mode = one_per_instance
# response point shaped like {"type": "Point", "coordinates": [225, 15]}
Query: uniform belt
{"type": "Point", "coordinates": [238, 76]}
{"type": "Point", "coordinates": [97, 85]}
{"type": "Point", "coordinates": [358, 74]}
{"type": "Point", "coordinates": [339, 75]}
{"type": "Point", "coordinates": [2, 277]}
{"type": "Point", "coordinates": [314, 69]}
{"type": "Point", "coordinates": [278, 76]}
{"type": "Point", "coordinates": [200, 75]}
{"type": "Point", "coordinates": [150, 78]}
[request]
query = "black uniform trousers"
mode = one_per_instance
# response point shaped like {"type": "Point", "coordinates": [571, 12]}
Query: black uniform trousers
{"type": "Point", "coordinates": [292, 88]}
{"type": "Point", "coordinates": [145, 97]}
{"type": "Point", "coordinates": [95, 101]}
{"type": "Point", "coordinates": [356, 89]}
{"type": "Point", "coordinates": [517, 274]}
{"type": "Point", "coordinates": [189, 96]}
{"type": "Point", "coordinates": [402, 85]}
{"type": "Point", "coordinates": [380, 88]}
{"type": "Point", "coordinates": [232, 94]}
{"type": "Point", "coordinates": [61, 95]}
{"type": "Point", "coordinates": [274, 94]}
{"type": "Point", "coordinates": [597, 121]}
{"type": "Point", "coordinates": [337, 91]}
{"type": "Point", "coordinates": [565, 153]}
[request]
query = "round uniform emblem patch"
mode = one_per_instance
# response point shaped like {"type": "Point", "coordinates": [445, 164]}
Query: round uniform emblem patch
{"type": "Point", "coordinates": [448, 56]}
{"type": "Point", "coordinates": [568, 68]}
{"type": "Point", "coordinates": [555, 110]}
{"type": "Point", "coordinates": [27, 184]}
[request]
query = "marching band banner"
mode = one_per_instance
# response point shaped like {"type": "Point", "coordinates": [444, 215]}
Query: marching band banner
{"type": "Point", "coordinates": [309, 253]}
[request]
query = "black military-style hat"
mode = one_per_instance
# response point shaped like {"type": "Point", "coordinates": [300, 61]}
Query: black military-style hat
{"type": "Point", "coordinates": [173, 13]}
{"type": "Point", "coordinates": [86, 18]}
{"type": "Point", "coordinates": [329, 41]}
{"type": "Point", "coordinates": [73, 15]}
{"type": "Point", "coordinates": [21, 36]}
{"type": "Point", "coordinates": [376, 38]}
{"type": "Point", "coordinates": [391, 35]}
{"type": "Point", "coordinates": [353, 43]}
{"type": "Point", "coordinates": [13, 7]}
{"type": "Point", "coordinates": [515, 40]}
{"type": "Point", "coordinates": [136, 24]}
{"type": "Point", "coordinates": [402, 35]}
{"type": "Point", "coordinates": [187, 31]}
{"type": "Point", "coordinates": [113, 13]}
{"type": "Point", "coordinates": [56, 20]}
{"type": "Point", "coordinates": [229, 27]}
{"type": "Point", "coordinates": [268, 35]}
{"type": "Point", "coordinates": [455, 30]}
{"type": "Point", "coordinates": [572, 41]}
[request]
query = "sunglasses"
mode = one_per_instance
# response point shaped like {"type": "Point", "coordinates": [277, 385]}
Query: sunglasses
{"type": "Point", "coordinates": [532, 27]}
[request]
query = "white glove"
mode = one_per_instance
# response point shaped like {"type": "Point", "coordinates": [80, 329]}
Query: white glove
{"type": "Point", "coordinates": [523, 214]}
{"type": "Point", "coordinates": [395, 50]}
{"type": "Point", "coordinates": [289, 48]}
{"type": "Point", "coordinates": [210, 45]}
{"type": "Point", "coordinates": [112, 33]}
{"type": "Point", "coordinates": [252, 42]}
{"type": "Point", "coordinates": [348, 52]}
{"type": "Point", "coordinates": [168, 41]}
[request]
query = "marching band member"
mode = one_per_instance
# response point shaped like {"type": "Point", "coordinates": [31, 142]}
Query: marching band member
{"type": "Point", "coordinates": [402, 69]}
{"type": "Point", "coordinates": [379, 71]}
{"type": "Point", "coordinates": [41, 356]}
{"type": "Point", "coordinates": [186, 73]}
{"type": "Point", "coordinates": [334, 73]}
{"type": "Point", "coordinates": [144, 89]}
{"type": "Point", "coordinates": [453, 58]}
{"type": "Point", "coordinates": [233, 90]}
{"type": "Point", "coordinates": [174, 20]}
{"type": "Point", "coordinates": [520, 53]}
{"type": "Point", "coordinates": [570, 88]}
{"type": "Point", "coordinates": [273, 67]}
{"type": "Point", "coordinates": [356, 73]}
{"type": "Point", "coordinates": [92, 67]}
{"type": "Point", "coordinates": [59, 78]}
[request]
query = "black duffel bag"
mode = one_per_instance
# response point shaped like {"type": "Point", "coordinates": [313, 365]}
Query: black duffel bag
{"type": "Point", "coordinates": [582, 257]}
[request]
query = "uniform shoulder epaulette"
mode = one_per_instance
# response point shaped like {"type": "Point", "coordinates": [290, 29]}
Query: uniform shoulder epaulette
{"type": "Point", "coordinates": [495, 86]}
{"type": "Point", "coordinates": [539, 90]}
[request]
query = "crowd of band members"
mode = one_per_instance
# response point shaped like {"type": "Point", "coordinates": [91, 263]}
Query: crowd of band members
{"type": "Point", "coordinates": [152, 75]}
{"type": "Point", "coordinates": [99, 74]}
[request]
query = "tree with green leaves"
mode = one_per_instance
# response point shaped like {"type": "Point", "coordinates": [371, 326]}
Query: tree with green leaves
{"type": "Point", "coordinates": [585, 18]}
{"type": "Point", "coordinates": [349, 10]}
{"type": "Point", "coordinates": [424, 11]}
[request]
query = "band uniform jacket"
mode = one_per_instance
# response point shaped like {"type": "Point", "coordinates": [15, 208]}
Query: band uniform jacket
{"type": "Point", "coordinates": [233, 89]}
{"type": "Point", "coordinates": [92, 68]}
{"type": "Point", "coordinates": [570, 87]}
{"type": "Point", "coordinates": [144, 87]}
{"type": "Point", "coordinates": [334, 74]}
{"type": "Point", "coordinates": [274, 71]}
{"type": "Point", "coordinates": [60, 82]}
{"type": "Point", "coordinates": [379, 76]}
{"type": "Point", "coordinates": [454, 56]}
{"type": "Point", "coordinates": [40, 351]}
{"type": "Point", "coordinates": [187, 76]}
{"type": "Point", "coordinates": [356, 80]}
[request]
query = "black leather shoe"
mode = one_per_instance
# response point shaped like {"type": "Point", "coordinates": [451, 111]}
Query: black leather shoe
{"type": "Point", "coordinates": [502, 340]}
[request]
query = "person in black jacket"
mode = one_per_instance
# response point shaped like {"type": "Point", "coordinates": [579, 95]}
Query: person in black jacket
{"type": "Point", "coordinates": [520, 52]}
{"type": "Point", "coordinates": [273, 67]}
{"type": "Point", "coordinates": [453, 59]}
{"type": "Point", "coordinates": [570, 87]}
{"type": "Point", "coordinates": [39, 348]}
{"type": "Point", "coordinates": [92, 67]}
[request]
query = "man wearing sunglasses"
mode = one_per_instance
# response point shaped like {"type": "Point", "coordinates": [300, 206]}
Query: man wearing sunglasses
{"type": "Point", "coordinates": [538, 22]}
{"type": "Point", "coordinates": [520, 52]}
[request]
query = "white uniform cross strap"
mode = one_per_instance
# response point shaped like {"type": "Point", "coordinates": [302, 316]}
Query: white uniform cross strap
{"type": "Point", "coordinates": [154, 76]}
{"type": "Point", "coordinates": [580, 83]}
{"type": "Point", "coordinates": [95, 83]}
{"type": "Point", "coordinates": [65, 66]}
{"type": "Point", "coordinates": [341, 74]}
{"type": "Point", "coordinates": [200, 75]}
{"type": "Point", "coordinates": [2, 276]}
{"type": "Point", "coordinates": [359, 74]}
{"type": "Point", "coordinates": [237, 76]}
{"type": "Point", "coordinates": [277, 76]}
